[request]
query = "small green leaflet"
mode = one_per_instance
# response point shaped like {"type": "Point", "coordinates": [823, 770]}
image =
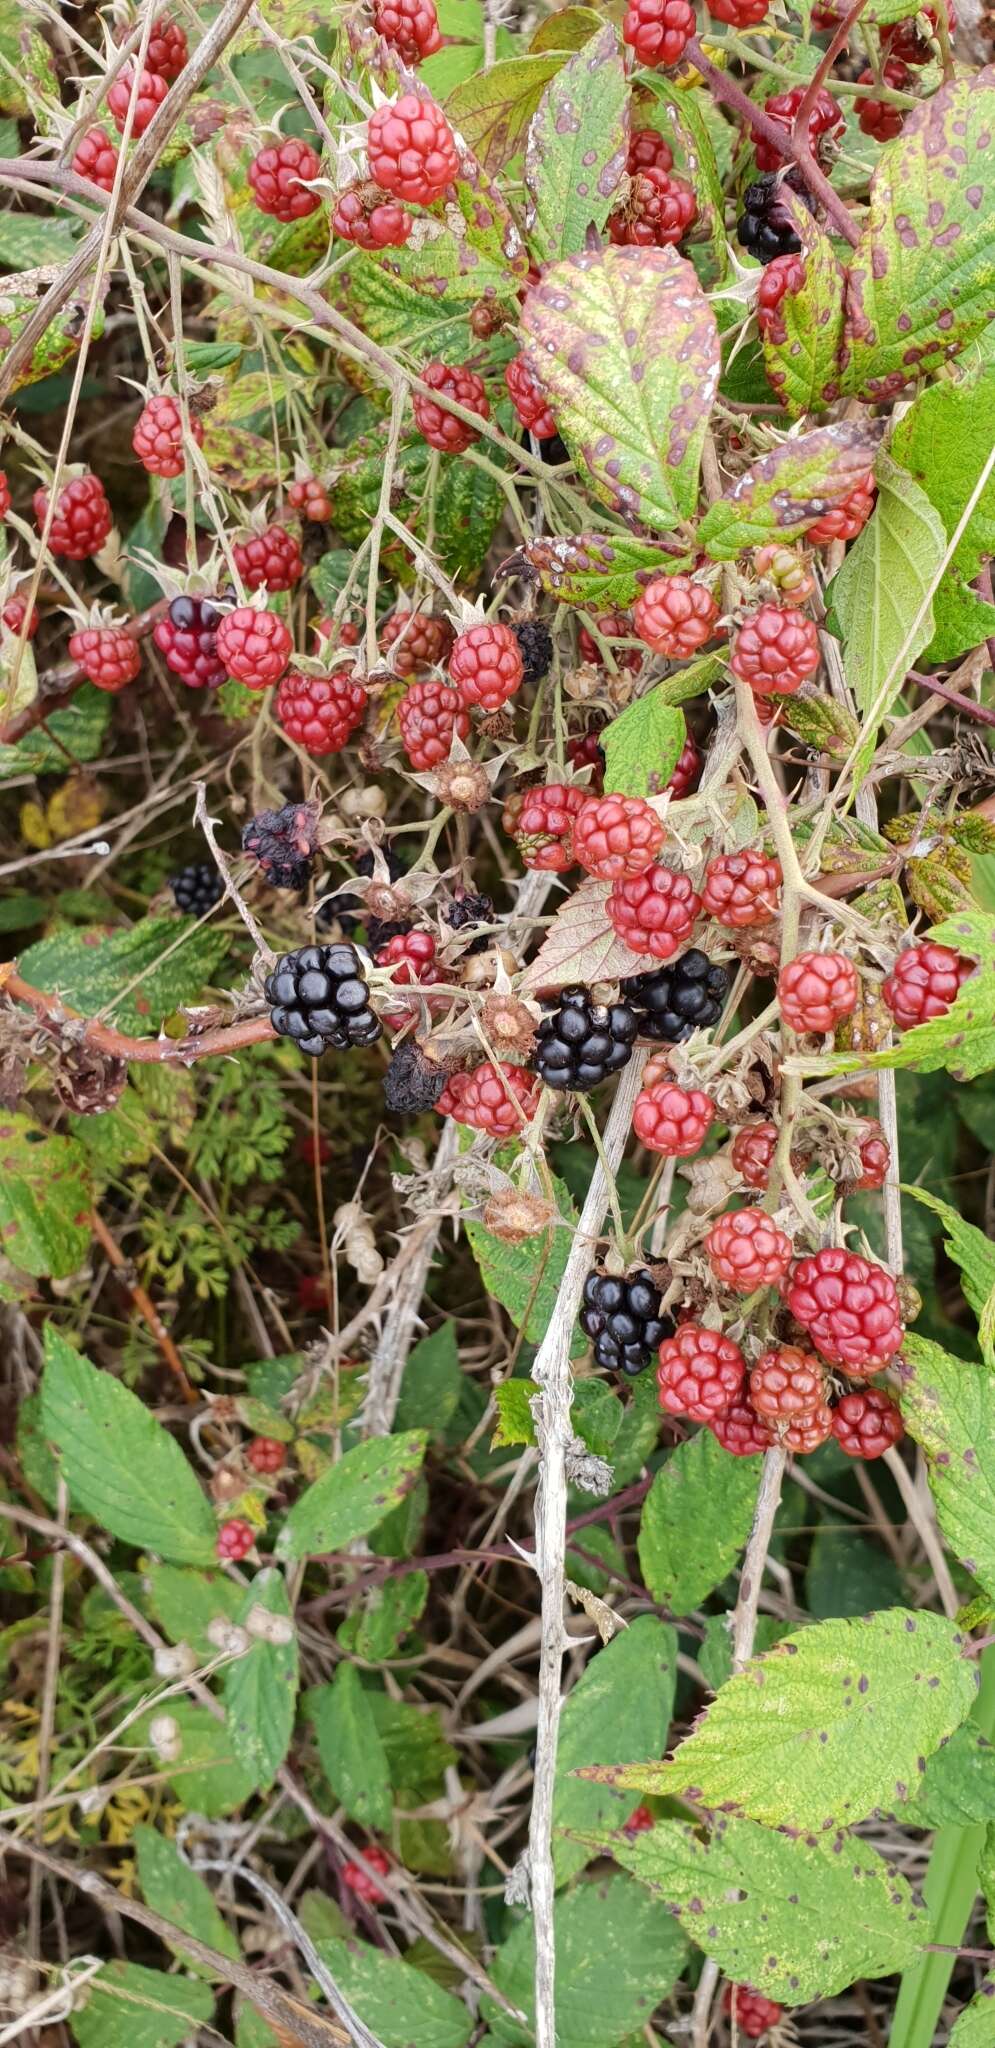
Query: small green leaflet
{"type": "Point", "coordinates": [352, 1754]}
{"type": "Point", "coordinates": [778, 1913]}
{"type": "Point", "coordinates": [400, 2005]}
{"type": "Point", "coordinates": [120, 1465]}
{"type": "Point", "coordinates": [185, 1604]}
{"type": "Point", "coordinates": [618, 1952]}
{"type": "Point", "coordinates": [975, 2026]}
{"type": "Point", "coordinates": [179, 1893]}
{"type": "Point", "coordinates": [625, 347]}
{"type": "Point", "coordinates": [696, 1518]}
{"type": "Point", "coordinates": [261, 1687]}
{"type": "Point", "coordinates": [45, 1198]}
{"type": "Point", "coordinates": [620, 1708]}
{"type": "Point", "coordinates": [642, 747]}
{"type": "Point", "coordinates": [128, 2006]}
{"type": "Point", "coordinates": [958, 1789]}
{"type": "Point", "coordinates": [353, 1496]}
{"type": "Point", "coordinates": [577, 146]}
{"type": "Point", "coordinates": [94, 971]}
{"type": "Point", "coordinates": [78, 728]}
{"type": "Point", "coordinates": [948, 1405]}
{"type": "Point", "coordinates": [785, 491]}
{"type": "Point", "coordinates": [858, 1706]}
{"type": "Point", "coordinates": [205, 1776]}
{"type": "Point", "coordinates": [974, 1253]}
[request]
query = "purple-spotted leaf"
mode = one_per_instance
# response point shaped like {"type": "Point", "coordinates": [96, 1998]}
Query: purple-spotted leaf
{"type": "Point", "coordinates": [920, 284]}
{"type": "Point", "coordinates": [580, 946]}
{"type": "Point", "coordinates": [569, 29]}
{"type": "Point", "coordinates": [625, 347]}
{"type": "Point", "coordinates": [786, 490]}
{"type": "Point", "coordinates": [802, 345]}
{"type": "Point", "coordinates": [577, 148]}
{"type": "Point", "coordinates": [492, 109]}
{"type": "Point", "coordinates": [948, 1406]}
{"type": "Point", "coordinates": [593, 568]}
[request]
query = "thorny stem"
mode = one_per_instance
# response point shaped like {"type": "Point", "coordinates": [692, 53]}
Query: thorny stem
{"type": "Point", "coordinates": [144, 1304]}
{"type": "Point", "coordinates": [732, 95]}
{"type": "Point", "coordinates": [63, 1022]}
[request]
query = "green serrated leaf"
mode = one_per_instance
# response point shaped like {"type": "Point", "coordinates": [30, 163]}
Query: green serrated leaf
{"type": "Point", "coordinates": [492, 109]}
{"type": "Point", "coordinates": [961, 621]}
{"type": "Point", "coordinates": [206, 1776]}
{"type": "Point", "coordinates": [432, 1383]}
{"type": "Point", "coordinates": [93, 971]}
{"type": "Point", "coordinates": [353, 1496]}
{"type": "Point", "coordinates": [514, 1425]}
{"type": "Point", "coordinates": [619, 1709]}
{"type": "Point", "coordinates": [696, 1518]}
{"type": "Point", "coordinates": [617, 1954]}
{"type": "Point", "coordinates": [120, 1465]}
{"type": "Point", "coordinates": [78, 730]}
{"type": "Point", "coordinates": [187, 1603]}
{"type": "Point", "coordinates": [942, 441]}
{"type": "Point", "coordinates": [625, 347]}
{"type": "Point", "coordinates": [973, 1252]}
{"type": "Point", "coordinates": [858, 1706]}
{"type": "Point", "coordinates": [642, 746]}
{"type": "Point", "coordinates": [975, 2026]}
{"type": "Point", "coordinates": [389, 1613]}
{"type": "Point", "coordinates": [179, 1893]}
{"type": "Point", "coordinates": [400, 2005]}
{"type": "Point", "coordinates": [352, 1754]}
{"type": "Point", "coordinates": [777, 1913]}
{"type": "Point", "coordinates": [261, 1687]}
{"type": "Point", "coordinates": [45, 1198]}
{"type": "Point", "coordinates": [525, 1278]}
{"type": "Point", "coordinates": [577, 147]}
{"type": "Point", "coordinates": [959, 1786]}
{"type": "Point", "coordinates": [801, 346]}
{"type": "Point", "coordinates": [415, 1747]}
{"type": "Point", "coordinates": [948, 1405]}
{"type": "Point", "coordinates": [786, 490]}
{"type": "Point", "coordinates": [32, 238]}
{"type": "Point", "coordinates": [128, 2006]}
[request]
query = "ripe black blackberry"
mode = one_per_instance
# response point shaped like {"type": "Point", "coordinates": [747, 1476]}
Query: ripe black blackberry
{"type": "Point", "coordinates": [283, 843]}
{"type": "Point", "coordinates": [320, 999]}
{"type": "Point", "coordinates": [412, 1081]}
{"type": "Point", "coordinates": [535, 643]}
{"type": "Point", "coordinates": [197, 888]}
{"type": "Point", "coordinates": [765, 227]}
{"type": "Point", "coordinates": [581, 1042]}
{"type": "Point", "coordinates": [623, 1318]}
{"type": "Point", "coordinates": [687, 995]}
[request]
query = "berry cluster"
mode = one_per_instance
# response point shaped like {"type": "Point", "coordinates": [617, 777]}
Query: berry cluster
{"type": "Point", "coordinates": [581, 1042]}
{"type": "Point", "coordinates": [623, 1316]}
{"type": "Point", "coordinates": [197, 888]}
{"type": "Point", "coordinates": [319, 998]}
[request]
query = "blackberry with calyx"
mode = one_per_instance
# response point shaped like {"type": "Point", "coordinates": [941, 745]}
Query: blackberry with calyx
{"type": "Point", "coordinates": [320, 998]}
{"type": "Point", "coordinates": [624, 1320]}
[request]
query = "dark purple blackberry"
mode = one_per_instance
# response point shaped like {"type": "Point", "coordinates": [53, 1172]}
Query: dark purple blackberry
{"type": "Point", "coordinates": [197, 888]}
{"type": "Point", "coordinates": [412, 1082]}
{"type": "Point", "coordinates": [765, 227]}
{"type": "Point", "coordinates": [624, 1319]}
{"type": "Point", "coordinates": [467, 909]}
{"type": "Point", "coordinates": [320, 999]}
{"type": "Point", "coordinates": [581, 1042]}
{"type": "Point", "coordinates": [536, 645]}
{"type": "Point", "coordinates": [687, 995]}
{"type": "Point", "coordinates": [283, 843]}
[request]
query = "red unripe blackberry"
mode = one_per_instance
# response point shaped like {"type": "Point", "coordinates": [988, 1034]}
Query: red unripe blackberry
{"type": "Point", "coordinates": [741, 1431]}
{"type": "Point", "coordinates": [82, 519]}
{"type": "Point", "coordinates": [654, 912]}
{"type": "Point", "coordinates": [254, 646]}
{"type": "Point", "coordinates": [158, 435]}
{"type": "Point", "coordinates": [188, 636]}
{"type": "Point", "coordinates": [278, 178]}
{"type": "Point", "coordinates": [824, 120]}
{"type": "Point", "coordinates": [411, 27]}
{"type": "Point", "coordinates": [412, 957]}
{"type": "Point", "coordinates": [167, 50]}
{"type": "Point", "coordinates": [107, 655]}
{"type": "Point", "coordinates": [700, 1373]}
{"type": "Point", "coordinates": [13, 617]}
{"type": "Point", "coordinates": [788, 572]}
{"type": "Point", "coordinates": [816, 990]}
{"type": "Point", "coordinates": [273, 558]}
{"type": "Point", "coordinates": [879, 118]}
{"type": "Point", "coordinates": [746, 1250]}
{"type": "Point", "coordinates": [752, 2012]}
{"type": "Point", "coordinates": [671, 1120]}
{"type": "Point", "coordinates": [781, 279]}
{"type": "Point", "coordinates": [437, 425]}
{"type": "Point", "coordinates": [429, 714]}
{"type": "Point", "coordinates": [411, 150]}
{"type": "Point", "coordinates": [152, 90]}
{"type": "Point", "coordinates": [808, 1432]}
{"type": "Point", "coordinates": [658, 30]}
{"type": "Point", "coordinates": [844, 522]}
{"type": "Point", "coordinates": [649, 151]}
{"type": "Point", "coordinates": [788, 1384]}
{"type": "Point", "coordinates": [775, 651]}
{"type": "Point", "coordinates": [866, 1424]}
{"type": "Point", "coordinates": [486, 665]}
{"type": "Point", "coordinates": [675, 616]}
{"type": "Point", "coordinates": [357, 1875]}
{"type": "Point", "coordinates": [639, 1822]}
{"type": "Point", "coordinates": [611, 626]}
{"type": "Point", "coordinates": [497, 1098]}
{"type": "Point", "coordinates": [738, 13]}
{"type": "Point", "coordinates": [684, 776]}
{"type": "Point", "coordinates": [541, 822]}
{"type": "Point", "coordinates": [235, 1540]}
{"type": "Point", "coordinates": [528, 399]}
{"type": "Point", "coordinates": [875, 1157]}
{"type": "Point", "coordinates": [659, 210]}
{"type": "Point", "coordinates": [310, 498]}
{"type": "Point", "coordinates": [752, 1153]}
{"type": "Point", "coordinates": [742, 889]}
{"type": "Point", "coordinates": [265, 1454]}
{"type": "Point", "coordinates": [850, 1308]}
{"type": "Point", "coordinates": [923, 983]}
{"type": "Point", "coordinates": [95, 157]}
{"type": "Point", "coordinates": [415, 641]}
{"type": "Point", "coordinates": [320, 712]}
{"type": "Point", "coordinates": [903, 39]}
{"type": "Point", "coordinates": [365, 217]}
{"type": "Point", "coordinates": [617, 837]}
{"type": "Point", "coordinates": [585, 751]}
{"type": "Point", "coordinates": [329, 633]}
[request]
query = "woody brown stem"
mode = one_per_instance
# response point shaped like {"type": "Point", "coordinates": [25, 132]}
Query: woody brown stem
{"type": "Point", "coordinates": [143, 1303]}
{"type": "Point", "coordinates": [55, 1015]}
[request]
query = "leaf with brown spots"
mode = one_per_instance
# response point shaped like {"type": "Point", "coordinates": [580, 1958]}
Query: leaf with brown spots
{"type": "Point", "coordinates": [135, 977]}
{"type": "Point", "coordinates": [801, 348]}
{"type": "Point", "coordinates": [577, 147]}
{"type": "Point", "coordinates": [45, 1198]}
{"type": "Point", "coordinates": [581, 946]}
{"type": "Point", "coordinates": [625, 347]}
{"type": "Point", "coordinates": [789, 488]}
{"type": "Point", "coordinates": [593, 568]}
{"type": "Point", "coordinates": [921, 282]}
{"type": "Point", "coordinates": [492, 109]}
{"type": "Point", "coordinates": [948, 1406]}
